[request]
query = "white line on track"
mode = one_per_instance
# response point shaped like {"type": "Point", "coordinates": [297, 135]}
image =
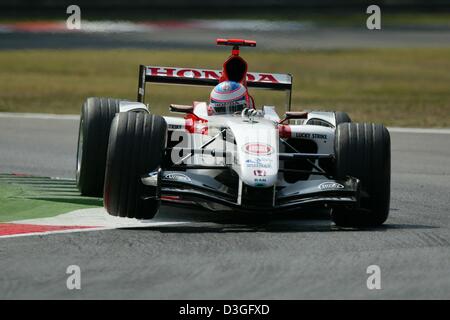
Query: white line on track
{"type": "Point", "coordinates": [93, 217]}
{"type": "Point", "coordinates": [75, 117]}
{"type": "Point", "coordinates": [420, 130]}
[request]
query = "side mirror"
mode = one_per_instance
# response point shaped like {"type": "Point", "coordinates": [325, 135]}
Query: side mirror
{"type": "Point", "coordinates": [294, 115]}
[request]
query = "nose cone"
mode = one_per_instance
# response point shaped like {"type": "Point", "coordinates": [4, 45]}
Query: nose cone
{"type": "Point", "coordinates": [259, 169]}
{"type": "Point", "coordinates": [257, 148]}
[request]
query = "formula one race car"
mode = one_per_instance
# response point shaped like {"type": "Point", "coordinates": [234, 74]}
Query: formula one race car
{"type": "Point", "coordinates": [226, 154]}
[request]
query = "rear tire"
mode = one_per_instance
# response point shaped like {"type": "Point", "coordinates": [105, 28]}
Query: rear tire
{"type": "Point", "coordinates": [95, 121]}
{"type": "Point", "coordinates": [363, 151]}
{"type": "Point", "coordinates": [136, 147]}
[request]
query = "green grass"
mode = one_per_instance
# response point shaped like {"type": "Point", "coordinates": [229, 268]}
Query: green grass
{"type": "Point", "coordinates": [401, 87]}
{"type": "Point", "coordinates": [35, 197]}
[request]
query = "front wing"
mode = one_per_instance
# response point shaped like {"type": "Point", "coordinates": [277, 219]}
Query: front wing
{"type": "Point", "coordinates": [188, 187]}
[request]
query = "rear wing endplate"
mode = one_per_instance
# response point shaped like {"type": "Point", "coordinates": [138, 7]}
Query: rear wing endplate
{"type": "Point", "coordinates": [206, 77]}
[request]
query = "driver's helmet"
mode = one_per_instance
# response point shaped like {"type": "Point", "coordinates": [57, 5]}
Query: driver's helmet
{"type": "Point", "coordinates": [228, 97]}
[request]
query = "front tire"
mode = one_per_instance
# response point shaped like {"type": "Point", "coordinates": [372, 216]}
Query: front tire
{"type": "Point", "coordinates": [93, 133]}
{"type": "Point", "coordinates": [136, 147]}
{"type": "Point", "coordinates": [363, 151]}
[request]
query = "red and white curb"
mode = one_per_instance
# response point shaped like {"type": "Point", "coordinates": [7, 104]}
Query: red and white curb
{"type": "Point", "coordinates": [82, 220]}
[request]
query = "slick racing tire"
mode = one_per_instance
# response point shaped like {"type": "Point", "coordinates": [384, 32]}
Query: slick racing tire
{"type": "Point", "coordinates": [363, 151]}
{"type": "Point", "coordinates": [341, 117]}
{"type": "Point", "coordinates": [95, 121]}
{"type": "Point", "coordinates": [136, 147]}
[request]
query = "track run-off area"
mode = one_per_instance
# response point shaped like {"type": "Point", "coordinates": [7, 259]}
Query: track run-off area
{"type": "Point", "coordinates": [191, 254]}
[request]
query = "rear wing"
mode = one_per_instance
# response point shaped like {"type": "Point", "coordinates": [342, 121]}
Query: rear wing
{"type": "Point", "coordinates": [206, 77]}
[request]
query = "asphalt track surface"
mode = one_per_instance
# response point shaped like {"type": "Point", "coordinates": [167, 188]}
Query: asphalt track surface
{"type": "Point", "coordinates": [192, 38]}
{"type": "Point", "coordinates": [214, 257]}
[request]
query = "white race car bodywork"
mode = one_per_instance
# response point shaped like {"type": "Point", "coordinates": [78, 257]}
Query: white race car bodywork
{"type": "Point", "coordinates": [255, 149]}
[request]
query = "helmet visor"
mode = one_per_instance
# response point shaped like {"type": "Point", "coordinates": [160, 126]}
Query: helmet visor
{"type": "Point", "coordinates": [228, 107]}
